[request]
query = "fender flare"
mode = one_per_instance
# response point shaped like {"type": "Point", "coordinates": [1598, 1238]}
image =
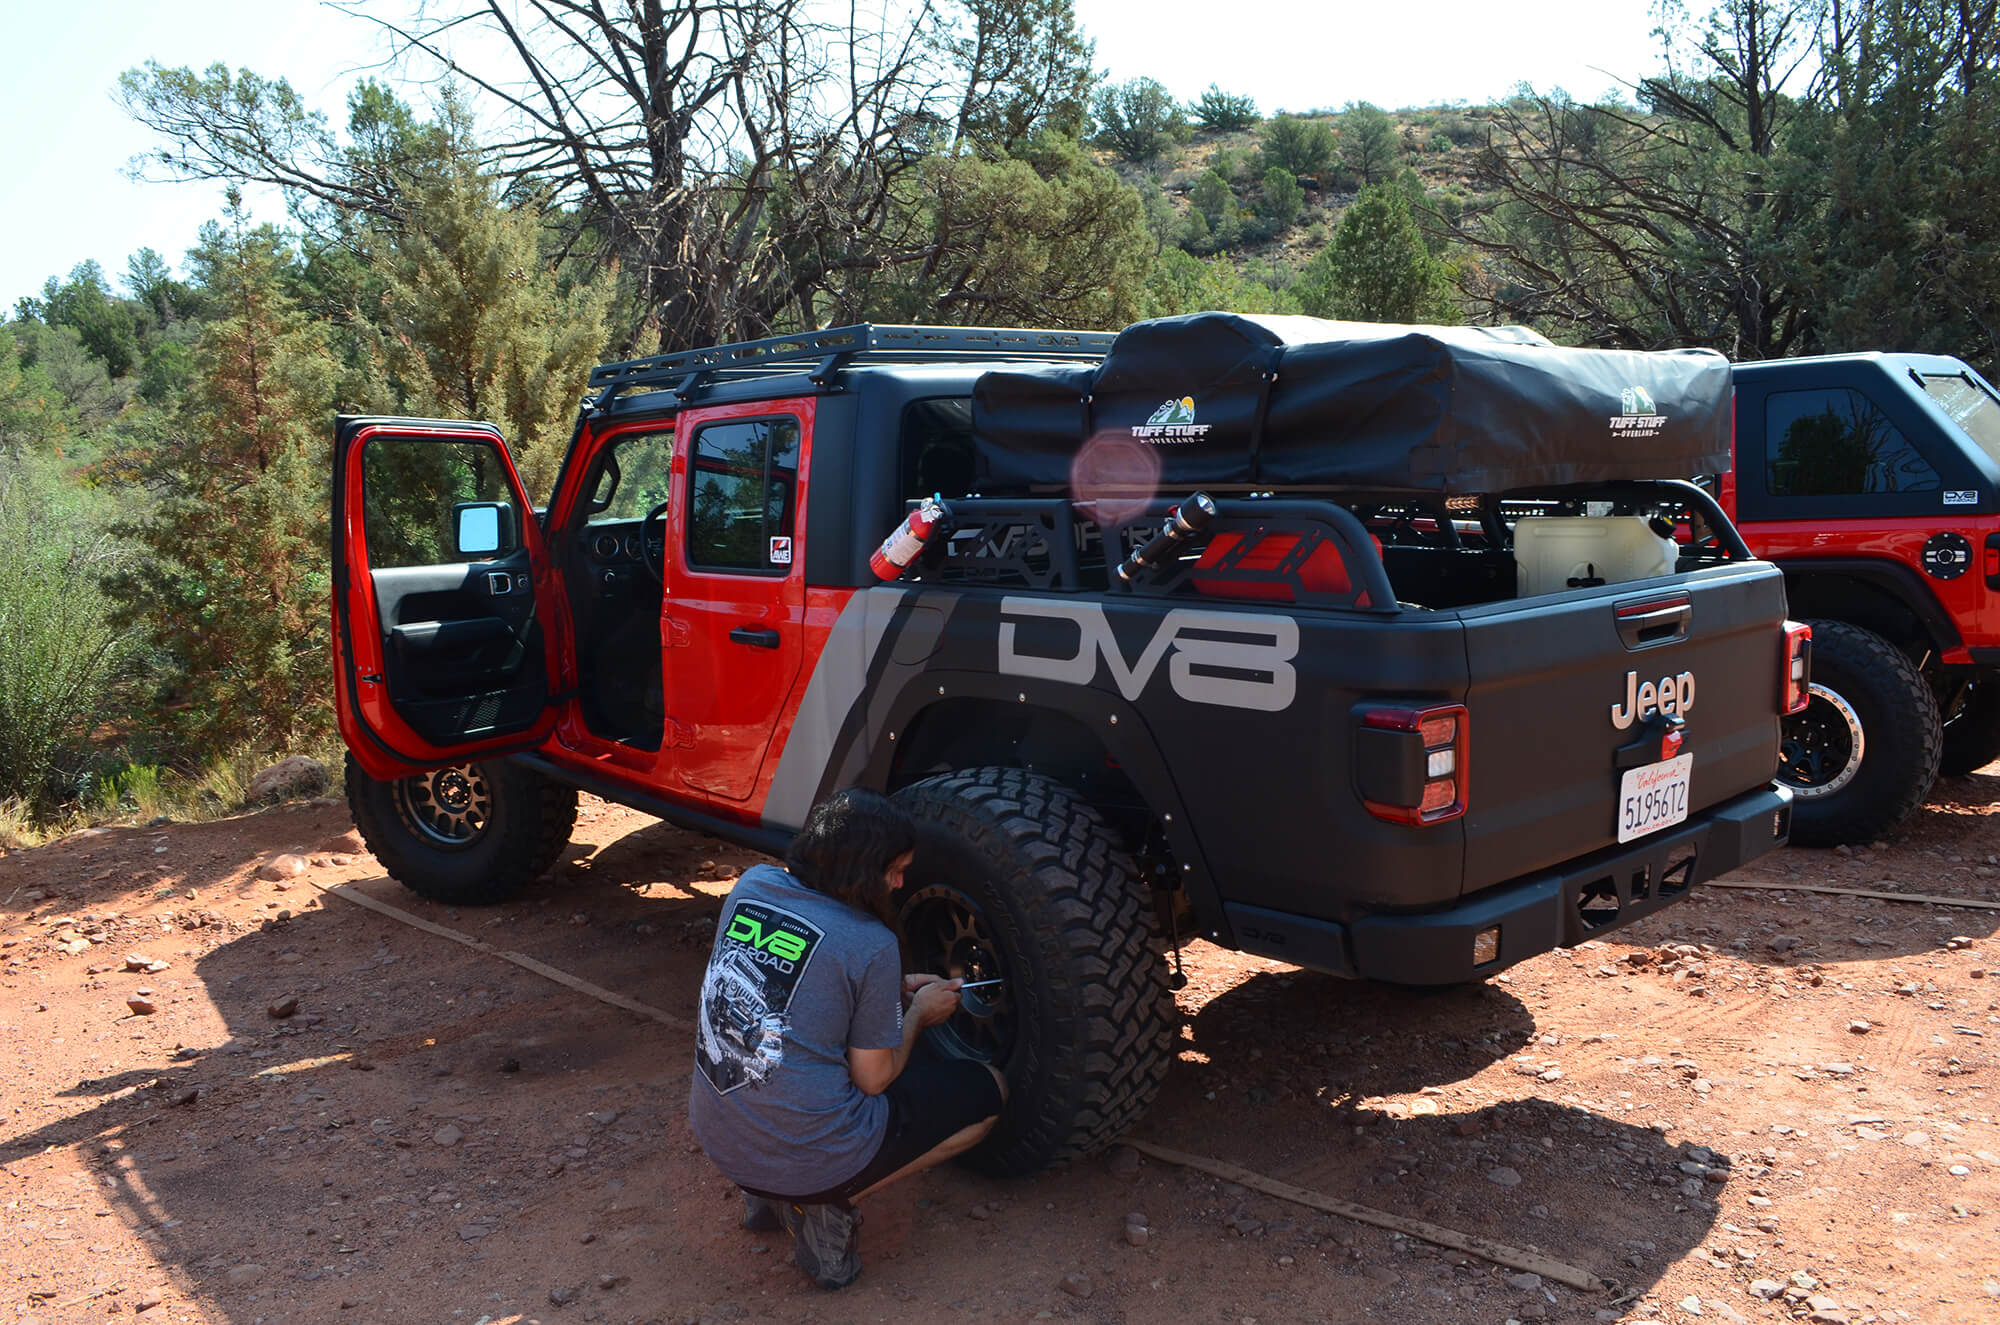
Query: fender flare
{"type": "Point", "coordinates": [1894, 581]}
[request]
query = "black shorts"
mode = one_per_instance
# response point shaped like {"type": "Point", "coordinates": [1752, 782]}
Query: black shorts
{"type": "Point", "coordinates": [929, 1103]}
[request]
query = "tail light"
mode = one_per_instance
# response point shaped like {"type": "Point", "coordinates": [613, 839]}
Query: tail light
{"type": "Point", "coordinates": [1410, 763]}
{"type": "Point", "coordinates": [1794, 687]}
{"type": "Point", "coordinates": [1992, 566]}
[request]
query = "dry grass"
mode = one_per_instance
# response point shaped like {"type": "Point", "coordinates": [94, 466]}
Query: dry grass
{"type": "Point", "coordinates": [141, 793]}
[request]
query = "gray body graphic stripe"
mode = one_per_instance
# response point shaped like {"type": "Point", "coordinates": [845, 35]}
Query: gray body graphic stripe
{"type": "Point", "coordinates": [837, 684]}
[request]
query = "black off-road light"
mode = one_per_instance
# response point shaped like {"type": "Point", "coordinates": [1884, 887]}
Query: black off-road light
{"type": "Point", "coordinates": [1183, 522]}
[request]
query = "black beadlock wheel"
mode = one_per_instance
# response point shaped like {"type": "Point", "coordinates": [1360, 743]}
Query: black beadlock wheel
{"type": "Point", "coordinates": [1863, 754]}
{"type": "Point", "coordinates": [1016, 879]}
{"type": "Point", "coordinates": [1972, 729]}
{"type": "Point", "coordinates": [468, 835]}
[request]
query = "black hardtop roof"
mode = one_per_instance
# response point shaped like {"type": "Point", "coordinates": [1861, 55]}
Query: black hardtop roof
{"type": "Point", "coordinates": [819, 357]}
{"type": "Point", "coordinates": [1887, 361]}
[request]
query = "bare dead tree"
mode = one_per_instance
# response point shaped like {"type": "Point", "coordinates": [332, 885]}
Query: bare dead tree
{"type": "Point", "coordinates": [1657, 224]}
{"type": "Point", "coordinates": [730, 152]}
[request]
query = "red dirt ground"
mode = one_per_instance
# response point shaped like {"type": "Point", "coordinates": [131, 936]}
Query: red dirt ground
{"type": "Point", "coordinates": [435, 1135]}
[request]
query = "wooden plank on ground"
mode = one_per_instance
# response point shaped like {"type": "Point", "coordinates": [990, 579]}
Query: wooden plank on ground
{"type": "Point", "coordinates": [1930, 898]}
{"type": "Point", "coordinates": [522, 960]}
{"type": "Point", "coordinates": [1471, 1243]}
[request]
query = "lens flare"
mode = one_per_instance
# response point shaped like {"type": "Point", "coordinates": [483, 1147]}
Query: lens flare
{"type": "Point", "coordinates": [1119, 477]}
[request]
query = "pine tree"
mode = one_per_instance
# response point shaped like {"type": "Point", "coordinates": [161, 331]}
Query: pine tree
{"type": "Point", "coordinates": [475, 323]}
{"type": "Point", "coordinates": [231, 589]}
{"type": "Point", "coordinates": [1368, 142]}
{"type": "Point", "coordinates": [1377, 269]}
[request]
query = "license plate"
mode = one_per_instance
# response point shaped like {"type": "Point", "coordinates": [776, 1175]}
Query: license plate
{"type": "Point", "coordinates": [1653, 797]}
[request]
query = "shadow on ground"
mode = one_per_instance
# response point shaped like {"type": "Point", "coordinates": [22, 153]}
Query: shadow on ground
{"type": "Point", "coordinates": [434, 1132]}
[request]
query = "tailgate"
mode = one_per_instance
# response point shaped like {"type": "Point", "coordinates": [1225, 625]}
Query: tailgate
{"type": "Point", "coordinates": [1546, 675]}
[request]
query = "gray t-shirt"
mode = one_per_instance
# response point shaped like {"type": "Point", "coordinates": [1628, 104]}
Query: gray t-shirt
{"type": "Point", "coordinates": [796, 980]}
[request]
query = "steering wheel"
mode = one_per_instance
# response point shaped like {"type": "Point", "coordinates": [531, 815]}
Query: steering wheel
{"type": "Point", "coordinates": [656, 516]}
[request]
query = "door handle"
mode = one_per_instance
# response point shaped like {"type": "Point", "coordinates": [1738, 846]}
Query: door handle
{"type": "Point", "coordinates": [762, 637]}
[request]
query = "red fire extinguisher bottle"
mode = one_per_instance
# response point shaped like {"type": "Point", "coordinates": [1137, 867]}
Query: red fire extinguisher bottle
{"type": "Point", "coordinates": [901, 547]}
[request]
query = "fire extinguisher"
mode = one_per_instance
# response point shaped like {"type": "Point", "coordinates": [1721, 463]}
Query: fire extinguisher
{"type": "Point", "coordinates": [901, 547]}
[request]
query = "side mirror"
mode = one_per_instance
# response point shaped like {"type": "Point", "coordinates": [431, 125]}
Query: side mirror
{"type": "Point", "coordinates": [483, 528]}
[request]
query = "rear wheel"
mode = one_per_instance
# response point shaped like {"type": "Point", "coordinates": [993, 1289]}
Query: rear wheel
{"type": "Point", "coordinates": [1864, 753]}
{"type": "Point", "coordinates": [1972, 729]}
{"type": "Point", "coordinates": [468, 835]}
{"type": "Point", "coordinates": [1017, 880]}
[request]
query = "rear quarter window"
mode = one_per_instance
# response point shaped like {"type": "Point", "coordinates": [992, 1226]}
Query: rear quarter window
{"type": "Point", "coordinates": [1836, 442]}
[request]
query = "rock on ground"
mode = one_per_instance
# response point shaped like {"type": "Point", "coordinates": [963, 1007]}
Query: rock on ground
{"type": "Point", "coordinates": [300, 775]}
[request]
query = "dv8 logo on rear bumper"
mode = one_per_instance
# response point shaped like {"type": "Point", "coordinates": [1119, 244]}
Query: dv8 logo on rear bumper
{"type": "Point", "coordinates": [1234, 659]}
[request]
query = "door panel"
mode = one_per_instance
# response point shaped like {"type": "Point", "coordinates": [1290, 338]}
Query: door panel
{"type": "Point", "coordinates": [736, 590]}
{"type": "Point", "coordinates": [440, 656]}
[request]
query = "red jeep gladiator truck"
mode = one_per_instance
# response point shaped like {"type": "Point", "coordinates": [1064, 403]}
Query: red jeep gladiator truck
{"type": "Point", "coordinates": [1366, 648]}
{"type": "Point", "coordinates": [1873, 482]}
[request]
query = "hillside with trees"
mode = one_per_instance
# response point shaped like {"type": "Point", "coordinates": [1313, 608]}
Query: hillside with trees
{"type": "Point", "coordinates": [1795, 178]}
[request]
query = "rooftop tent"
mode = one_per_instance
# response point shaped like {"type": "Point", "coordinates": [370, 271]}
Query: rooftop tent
{"type": "Point", "coordinates": [1225, 398]}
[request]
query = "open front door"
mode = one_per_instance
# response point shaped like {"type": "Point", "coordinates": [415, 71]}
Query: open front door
{"type": "Point", "coordinates": [442, 625]}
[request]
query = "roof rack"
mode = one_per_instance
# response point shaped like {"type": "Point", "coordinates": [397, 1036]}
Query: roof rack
{"type": "Point", "coordinates": [833, 349]}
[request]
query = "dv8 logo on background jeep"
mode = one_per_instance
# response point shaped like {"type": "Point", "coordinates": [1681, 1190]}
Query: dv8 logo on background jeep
{"type": "Point", "coordinates": [1251, 669]}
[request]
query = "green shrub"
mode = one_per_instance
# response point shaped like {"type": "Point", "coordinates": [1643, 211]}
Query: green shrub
{"type": "Point", "coordinates": [1138, 119]}
{"type": "Point", "coordinates": [1283, 196]}
{"type": "Point", "coordinates": [1304, 147]}
{"type": "Point", "coordinates": [1222, 112]}
{"type": "Point", "coordinates": [1212, 197]}
{"type": "Point", "coordinates": [136, 788]}
{"type": "Point", "coordinates": [1368, 141]}
{"type": "Point", "coordinates": [57, 648]}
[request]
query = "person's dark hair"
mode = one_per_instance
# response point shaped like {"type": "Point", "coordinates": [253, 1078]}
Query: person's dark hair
{"type": "Point", "coordinates": [847, 845]}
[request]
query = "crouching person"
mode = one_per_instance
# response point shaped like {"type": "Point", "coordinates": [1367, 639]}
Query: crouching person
{"type": "Point", "coordinates": [804, 1094]}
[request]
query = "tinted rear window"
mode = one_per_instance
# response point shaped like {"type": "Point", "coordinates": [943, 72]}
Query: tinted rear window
{"type": "Point", "coordinates": [1836, 443]}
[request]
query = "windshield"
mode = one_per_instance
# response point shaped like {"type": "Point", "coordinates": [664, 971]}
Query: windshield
{"type": "Point", "coordinates": [1971, 406]}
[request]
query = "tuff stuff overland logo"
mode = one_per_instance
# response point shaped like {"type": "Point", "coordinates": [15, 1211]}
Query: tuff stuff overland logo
{"type": "Point", "coordinates": [1173, 421]}
{"type": "Point", "coordinates": [1641, 418]}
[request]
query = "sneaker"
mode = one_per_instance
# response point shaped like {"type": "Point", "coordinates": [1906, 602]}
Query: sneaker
{"type": "Point", "coordinates": [824, 1242]}
{"type": "Point", "coordinates": [760, 1215]}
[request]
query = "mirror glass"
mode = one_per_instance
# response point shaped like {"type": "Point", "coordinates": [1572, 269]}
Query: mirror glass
{"type": "Point", "coordinates": [478, 529]}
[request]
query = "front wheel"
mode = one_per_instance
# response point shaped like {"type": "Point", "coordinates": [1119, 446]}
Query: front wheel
{"type": "Point", "coordinates": [469, 835]}
{"type": "Point", "coordinates": [1863, 754]}
{"type": "Point", "coordinates": [1015, 879]}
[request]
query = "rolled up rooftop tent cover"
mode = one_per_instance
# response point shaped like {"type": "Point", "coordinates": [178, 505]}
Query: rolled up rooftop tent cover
{"type": "Point", "coordinates": [1227, 398]}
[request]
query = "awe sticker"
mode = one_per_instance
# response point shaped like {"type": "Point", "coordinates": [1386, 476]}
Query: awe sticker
{"type": "Point", "coordinates": [781, 552]}
{"type": "Point", "coordinates": [1961, 496]}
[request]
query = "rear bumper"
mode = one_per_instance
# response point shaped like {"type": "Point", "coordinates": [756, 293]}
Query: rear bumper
{"type": "Point", "coordinates": [1583, 899]}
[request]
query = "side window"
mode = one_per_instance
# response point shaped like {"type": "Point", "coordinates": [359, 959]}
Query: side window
{"type": "Point", "coordinates": [1836, 443]}
{"type": "Point", "coordinates": [743, 483]}
{"type": "Point", "coordinates": [632, 477]}
{"type": "Point", "coordinates": [408, 490]}
{"type": "Point", "coordinates": [937, 447]}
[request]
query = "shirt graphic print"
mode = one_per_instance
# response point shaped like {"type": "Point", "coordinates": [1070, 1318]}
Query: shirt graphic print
{"type": "Point", "coordinates": [746, 996]}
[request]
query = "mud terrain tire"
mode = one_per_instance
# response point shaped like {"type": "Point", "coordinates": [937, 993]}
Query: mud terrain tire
{"type": "Point", "coordinates": [1016, 877]}
{"type": "Point", "coordinates": [1972, 735]}
{"type": "Point", "coordinates": [512, 826]}
{"type": "Point", "coordinates": [1865, 692]}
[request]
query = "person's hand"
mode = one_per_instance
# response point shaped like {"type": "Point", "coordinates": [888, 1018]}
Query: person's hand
{"type": "Point", "coordinates": [917, 980]}
{"type": "Point", "coordinates": [935, 1003]}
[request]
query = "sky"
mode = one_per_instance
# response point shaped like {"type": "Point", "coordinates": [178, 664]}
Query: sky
{"type": "Point", "coordinates": [67, 142]}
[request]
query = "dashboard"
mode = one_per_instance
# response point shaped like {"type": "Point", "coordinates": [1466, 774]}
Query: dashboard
{"type": "Point", "coordinates": [615, 542]}
{"type": "Point", "coordinates": [611, 549]}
